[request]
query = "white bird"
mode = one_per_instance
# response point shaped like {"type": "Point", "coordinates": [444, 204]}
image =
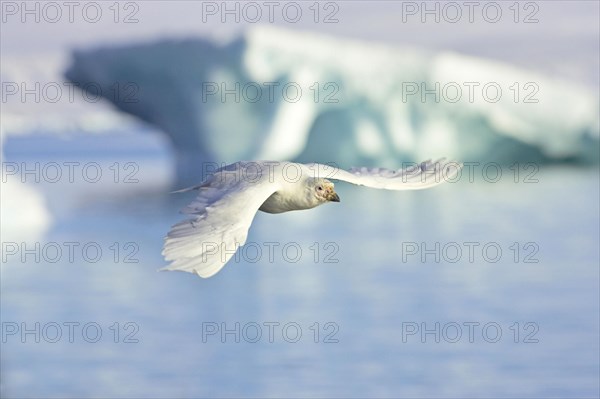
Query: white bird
{"type": "Point", "coordinates": [228, 200]}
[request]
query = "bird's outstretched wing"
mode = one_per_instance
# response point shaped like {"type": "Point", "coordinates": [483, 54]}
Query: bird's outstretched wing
{"type": "Point", "coordinates": [227, 202]}
{"type": "Point", "coordinates": [223, 212]}
{"type": "Point", "coordinates": [413, 177]}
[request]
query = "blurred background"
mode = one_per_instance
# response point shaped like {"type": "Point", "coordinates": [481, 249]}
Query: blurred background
{"type": "Point", "coordinates": [484, 287]}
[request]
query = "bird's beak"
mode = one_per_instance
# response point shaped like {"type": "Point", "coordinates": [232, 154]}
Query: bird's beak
{"type": "Point", "coordinates": [333, 197]}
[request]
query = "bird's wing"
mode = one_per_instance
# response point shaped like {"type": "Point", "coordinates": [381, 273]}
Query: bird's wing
{"type": "Point", "coordinates": [223, 212]}
{"type": "Point", "coordinates": [414, 177]}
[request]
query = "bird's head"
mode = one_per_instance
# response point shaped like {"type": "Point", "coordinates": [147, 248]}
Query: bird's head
{"type": "Point", "coordinates": [323, 191]}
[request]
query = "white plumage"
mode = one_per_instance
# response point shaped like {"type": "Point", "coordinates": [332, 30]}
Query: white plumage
{"type": "Point", "coordinates": [228, 200]}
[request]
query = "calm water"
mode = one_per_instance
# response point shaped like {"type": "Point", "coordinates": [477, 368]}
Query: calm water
{"type": "Point", "coordinates": [349, 276]}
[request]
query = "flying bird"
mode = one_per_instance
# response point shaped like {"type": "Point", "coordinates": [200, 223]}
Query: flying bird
{"type": "Point", "coordinates": [228, 199]}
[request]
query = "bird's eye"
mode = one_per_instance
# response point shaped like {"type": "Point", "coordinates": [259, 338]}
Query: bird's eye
{"type": "Point", "coordinates": [319, 188]}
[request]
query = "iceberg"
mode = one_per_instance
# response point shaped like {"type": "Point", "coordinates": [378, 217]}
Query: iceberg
{"type": "Point", "coordinates": [25, 216]}
{"type": "Point", "coordinates": [37, 99]}
{"type": "Point", "coordinates": [288, 95]}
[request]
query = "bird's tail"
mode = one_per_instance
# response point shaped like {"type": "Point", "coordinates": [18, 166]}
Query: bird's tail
{"type": "Point", "coordinates": [185, 190]}
{"type": "Point", "coordinates": [204, 184]}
